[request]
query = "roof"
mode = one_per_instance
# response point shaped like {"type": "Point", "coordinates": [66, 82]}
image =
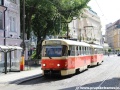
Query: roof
{"type": "Point", "coordinates": [96, 46]}
{"type": "Point", "coordinates": [3, 47]}
{"type": "Point", "coordinates": [10, 47]}
{"type": "Point", "coordinates": [71, 42]}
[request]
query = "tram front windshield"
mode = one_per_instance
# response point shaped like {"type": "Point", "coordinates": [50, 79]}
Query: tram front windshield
{"type": "Point", "coordinates": [54, 51]}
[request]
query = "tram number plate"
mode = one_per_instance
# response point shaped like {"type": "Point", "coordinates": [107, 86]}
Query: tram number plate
{"type": "Point", "coordinates": [51, 64]}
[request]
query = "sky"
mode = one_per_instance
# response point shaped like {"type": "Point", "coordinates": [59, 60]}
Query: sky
{"type": "Point", "coordinates": [107, 10]}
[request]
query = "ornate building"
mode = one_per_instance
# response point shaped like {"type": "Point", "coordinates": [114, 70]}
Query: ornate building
{"type": "Point", "coordinates": [87, 28]}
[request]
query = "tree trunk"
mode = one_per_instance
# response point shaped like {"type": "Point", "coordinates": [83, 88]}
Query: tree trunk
{"type": "Point", "coordinates": [39, 47]}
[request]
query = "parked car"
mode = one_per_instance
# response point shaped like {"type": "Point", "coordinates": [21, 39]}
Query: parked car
{"type": "Point", "coordinates": [118, 54]}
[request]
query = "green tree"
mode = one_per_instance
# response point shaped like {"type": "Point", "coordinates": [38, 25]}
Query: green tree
{"type": "Point", "coordinates": [47, 17]}
{"type": "Point", "coordinates": [109, 50]}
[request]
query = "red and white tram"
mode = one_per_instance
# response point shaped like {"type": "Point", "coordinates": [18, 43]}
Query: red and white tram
{"type": "Point", "coordinates": [64, 57]}
{"type": "Point", "coordinates": [97, 55]}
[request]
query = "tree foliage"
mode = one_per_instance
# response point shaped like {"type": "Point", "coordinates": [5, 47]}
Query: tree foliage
{"type": "Point", "coordinates": [46, 17]}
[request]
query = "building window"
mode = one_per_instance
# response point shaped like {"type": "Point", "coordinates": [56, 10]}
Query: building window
{"type": "Point", "coordinates": [1, 2]}
{"type": "Point", "coordinates": [12, 24]}
{"type": "Point", "coordinates": [1, 20]}
{"type": "Point", "coordinates": [0, 57]}
{"type": "Point", "coordinates": [13, 1]}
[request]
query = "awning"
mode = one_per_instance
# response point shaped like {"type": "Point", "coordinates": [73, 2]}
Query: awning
{"type": "Point", "coordinates": [10, 47]}
{"type": "Point", "coordinates": [17, 47]}
{"type": "Point", "coordinates": [3, 47]}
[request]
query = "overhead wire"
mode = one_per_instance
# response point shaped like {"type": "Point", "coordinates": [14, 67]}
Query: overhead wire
{"type": "Point", "coordinates": [101, 10]}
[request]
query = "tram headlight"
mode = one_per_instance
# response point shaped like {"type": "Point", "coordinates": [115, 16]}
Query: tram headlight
{"type": "Point", "coordinates": [58, 65]}
{"type": "Point", "coordinates": [44, 65]}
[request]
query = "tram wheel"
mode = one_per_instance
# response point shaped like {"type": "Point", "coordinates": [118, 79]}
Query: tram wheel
{"type": "Point", "coordinates": [98, 63]}
{"type": "Point", "coordinates": [77, 71]}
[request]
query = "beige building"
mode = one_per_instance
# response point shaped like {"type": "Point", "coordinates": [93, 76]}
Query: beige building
{"type": "Point", "coordinates": [113, 35]}
{"type": "Point", "coordinates": [87, 28]}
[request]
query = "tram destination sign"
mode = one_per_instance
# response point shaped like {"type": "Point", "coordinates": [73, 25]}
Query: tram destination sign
{"type": "Point", "coordinates": [51, 42]}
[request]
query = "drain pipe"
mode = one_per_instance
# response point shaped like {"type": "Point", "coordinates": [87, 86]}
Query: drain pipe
{"type": "Point", "coordinates": [4, 26]}
{"type": "Point", "coordinates": [5, 53]}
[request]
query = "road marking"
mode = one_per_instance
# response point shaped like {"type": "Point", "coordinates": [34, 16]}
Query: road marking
{"type": "Point", "coordinates": [106, 78]}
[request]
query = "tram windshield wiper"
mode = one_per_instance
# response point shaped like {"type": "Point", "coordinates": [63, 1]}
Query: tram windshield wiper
{"type": "Point", "coordinates": [48, 56]}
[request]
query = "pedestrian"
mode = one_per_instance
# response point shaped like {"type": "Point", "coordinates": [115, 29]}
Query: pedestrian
{"type": "Point", "coordinates": [108, 53]}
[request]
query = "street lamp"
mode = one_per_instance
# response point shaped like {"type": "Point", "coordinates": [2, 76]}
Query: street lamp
{"type": "Point", "coordinates": [23, 43]}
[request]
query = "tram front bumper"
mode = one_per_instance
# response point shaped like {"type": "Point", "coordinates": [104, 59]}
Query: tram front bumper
{"type": "Point", "coordinates": [51, 72]}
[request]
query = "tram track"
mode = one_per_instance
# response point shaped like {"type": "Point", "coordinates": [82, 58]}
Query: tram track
{"type": "Point", "coordinates": [105, 75]}
{"type": "Point", "coordinates": [102, 75]}
{"type": "Point", "coordinates": [115, 69]}
{"type": "Point", "coordinates": [94, 75]}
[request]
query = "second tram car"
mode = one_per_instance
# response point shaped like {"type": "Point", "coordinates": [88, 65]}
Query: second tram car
{"type": "Point", "coordinates": [65, 57]}
{"type": "Point", "coordinates": [97, 55]}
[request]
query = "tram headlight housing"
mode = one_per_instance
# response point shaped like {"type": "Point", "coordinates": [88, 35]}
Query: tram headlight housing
{"type": "Point", "coordinates": [58, 65]}
{"type": "Point", "coordinates": [44, 65]}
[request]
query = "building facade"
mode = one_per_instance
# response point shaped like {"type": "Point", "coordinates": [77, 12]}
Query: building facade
{"type": "Point", "coordinates": [113, 35]}
{"type": "Point", "coordinates": [12, 22]}
{"type": "Point", "coordinates": [87, 28]}
{"type": "Point", "coordinates": [10, 34]}
{"type": "Point", "coordinates": [2, 22]}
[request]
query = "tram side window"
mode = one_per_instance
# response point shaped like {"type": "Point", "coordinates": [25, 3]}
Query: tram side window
{"type": "Point", "coordinates": [91, 51]}
{"type": "Point", "coordinates": [96, 50]}
{"type": "Point", "coordinates": [82, 50]}
{"type": "Point", "coordinates": [72, 50]}
{"type": "Point", "coordinates": [86, 50]}
{"type": "Point", "coordinates": [77, 52]}
{"type": "Point", "coordinates": [64, 50]}
{"type": "Point", "coordinates": [99, 51]}
{"type": "Point", "coordinates": [102, 51]}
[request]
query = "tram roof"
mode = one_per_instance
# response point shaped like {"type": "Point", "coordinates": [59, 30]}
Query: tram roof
{"type": "Point", "coordinates": [96, 46]}
{"type": "Point", "coordinates": [71, 42]}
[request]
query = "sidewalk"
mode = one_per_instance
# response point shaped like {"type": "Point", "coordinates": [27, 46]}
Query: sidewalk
{"type": "Point", "coordinates": [21, 76]}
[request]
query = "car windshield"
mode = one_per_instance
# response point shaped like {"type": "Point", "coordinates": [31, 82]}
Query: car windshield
{"type": "Point", "coordinates": [53, 51]}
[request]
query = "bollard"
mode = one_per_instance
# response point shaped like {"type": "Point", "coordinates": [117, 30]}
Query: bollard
{"type": "Point", "coordinates": [22, 63]}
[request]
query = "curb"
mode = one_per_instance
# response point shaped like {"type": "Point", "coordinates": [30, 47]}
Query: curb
{"type": "Point", "coordinates": [25, 79]}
